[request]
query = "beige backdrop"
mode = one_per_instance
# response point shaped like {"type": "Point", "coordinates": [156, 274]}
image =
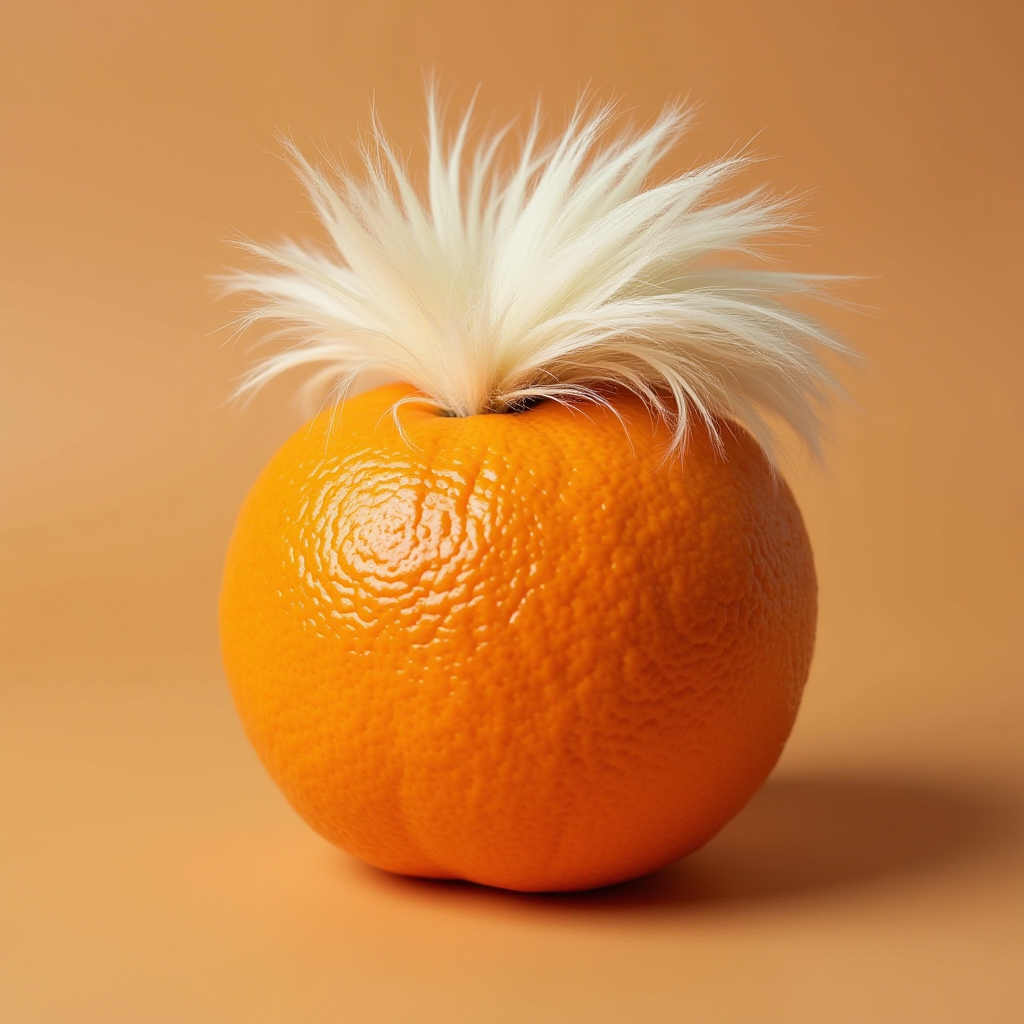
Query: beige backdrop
{"type": "Point", "coordinates": [149, 872]}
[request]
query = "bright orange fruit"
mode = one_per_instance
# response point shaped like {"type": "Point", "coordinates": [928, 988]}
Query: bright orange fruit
{"type": "Point", "coordinates": [528, 650]}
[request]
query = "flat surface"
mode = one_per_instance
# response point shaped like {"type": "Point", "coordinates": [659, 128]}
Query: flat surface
{"type": "Point", "coordinates": [150, 872]}
{"type": "Point", "coordinates": [148, 869]}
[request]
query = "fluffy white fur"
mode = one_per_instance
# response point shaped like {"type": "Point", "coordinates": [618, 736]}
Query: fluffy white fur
{"type": "Point", "coordinates": [555, 278]}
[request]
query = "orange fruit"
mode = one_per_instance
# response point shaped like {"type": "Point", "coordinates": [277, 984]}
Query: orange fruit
{"type": "Point", "coordinates": [530, 650]}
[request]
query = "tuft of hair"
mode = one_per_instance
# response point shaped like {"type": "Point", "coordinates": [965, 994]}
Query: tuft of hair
{"type": "Point", "coordinates": [562, 276]}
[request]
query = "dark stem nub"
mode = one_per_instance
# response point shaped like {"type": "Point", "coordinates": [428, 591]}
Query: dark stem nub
{"type": "Point", "coordinates": [517, 405]}
{"type": "Point", "coordinates": [498, 407]}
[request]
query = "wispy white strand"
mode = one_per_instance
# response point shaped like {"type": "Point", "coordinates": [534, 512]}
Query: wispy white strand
{"type": "Point", "coordinates": [557, 279]}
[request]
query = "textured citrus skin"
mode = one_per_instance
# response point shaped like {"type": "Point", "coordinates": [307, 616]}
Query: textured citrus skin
{"type": "Point", "coordinates": [526, 650]}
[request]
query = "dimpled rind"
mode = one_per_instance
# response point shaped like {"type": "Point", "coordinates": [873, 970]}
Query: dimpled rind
{"type": "Point", "coordinates": [529, 650]}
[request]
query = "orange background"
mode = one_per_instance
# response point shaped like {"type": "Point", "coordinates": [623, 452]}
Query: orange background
{"type": "Point", "coordinates": [148, 869]}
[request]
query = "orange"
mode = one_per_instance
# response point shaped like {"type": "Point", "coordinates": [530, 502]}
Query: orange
{"type": "Point", "coordinates": [530, 650]}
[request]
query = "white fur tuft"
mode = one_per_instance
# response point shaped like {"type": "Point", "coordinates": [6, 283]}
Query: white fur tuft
{"type": "Point", "coordinates": [558, 278]}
